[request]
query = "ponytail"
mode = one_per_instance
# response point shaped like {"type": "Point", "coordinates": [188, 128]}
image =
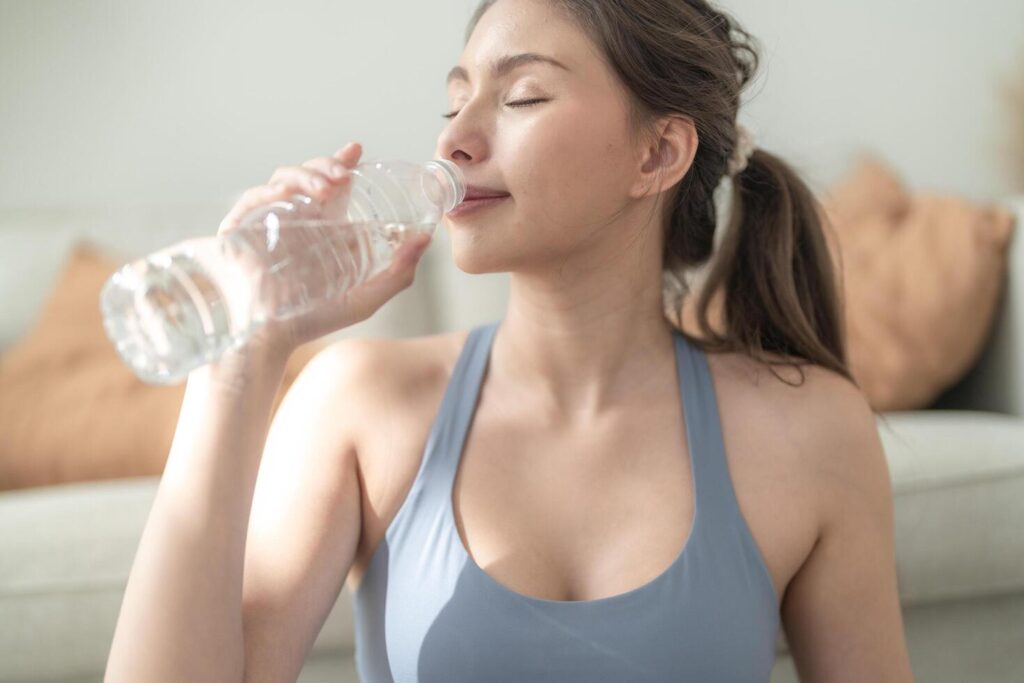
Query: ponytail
{"type": "Point", "coordinates": [774, 275]}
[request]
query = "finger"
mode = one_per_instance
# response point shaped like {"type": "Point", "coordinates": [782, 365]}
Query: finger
{"type": "Point", "coordinates": [349, 154]}
{"type": "Point", "coordinates": [301, 179]}
{"type": "Point", "coordinates": [332, 168]}
{"type": "Point", "coordinates": [250, 199]}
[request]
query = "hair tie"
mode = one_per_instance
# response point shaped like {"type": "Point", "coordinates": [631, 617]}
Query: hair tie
{"type": "Point", "coordinates": [741, 154]}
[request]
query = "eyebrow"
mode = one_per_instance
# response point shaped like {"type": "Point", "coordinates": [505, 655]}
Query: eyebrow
{"type": "Point", "coordinates": [505, 64]}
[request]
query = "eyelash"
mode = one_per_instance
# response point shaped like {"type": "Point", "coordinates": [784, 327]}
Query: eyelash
{"type": "Point", "coordinates": [520, 103]}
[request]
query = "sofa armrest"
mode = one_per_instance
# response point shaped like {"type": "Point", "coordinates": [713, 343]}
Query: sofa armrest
{"type": "Point", "coordinates": [996, 382]}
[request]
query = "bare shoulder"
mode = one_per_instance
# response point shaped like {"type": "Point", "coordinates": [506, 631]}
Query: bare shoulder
{"type": "Point", "coordinates": [381, 365]}
{"type": "Point", "coordinates": [811, 425]}
{"type": "Point", "coordinates": [388, 358]}
{"type": "Point", "coordinates": [393, 388]}
{"type": "Point", "coordinates": [845, 455]}
{"type": "Point", "coordinates": [834, 421]}
{"type": "Point", "coordinates": [840, 609]}
{"type": "Point", "coordinates": [384, 376]}
{"type": "Point", "coordinates": [809, 402]}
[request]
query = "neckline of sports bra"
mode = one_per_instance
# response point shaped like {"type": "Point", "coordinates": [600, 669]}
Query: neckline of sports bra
{"type": "Point", "coordinates": [681, 347]}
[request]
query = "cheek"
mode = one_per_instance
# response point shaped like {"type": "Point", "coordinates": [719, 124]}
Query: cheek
{"type": "Point", "coordinates": [571, 167]}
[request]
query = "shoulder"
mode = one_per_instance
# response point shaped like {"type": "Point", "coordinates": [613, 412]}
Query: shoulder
{"type": "Point", "coordinates": [819, 421]}
{"type": "Point", "coordinates": [841, 607]}
{"type": "Point", "coordinates": [379, 378]}
{"type": "Point", "coordinates": [386, 363]}
{"type": "Point", "coordinates": [846, 457]}
{"type": "Point", "coordinates": [839, 432]}
{"type": "Point", "coordinates": [809, 401]}
{"type": "Point", "coordinates": [381, 365]}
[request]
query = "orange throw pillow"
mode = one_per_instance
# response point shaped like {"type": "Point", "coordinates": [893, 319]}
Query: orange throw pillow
{"type": "Point", "coordinates": [921, 278]}
{"type": "Point", "coordinates": [70, 410]}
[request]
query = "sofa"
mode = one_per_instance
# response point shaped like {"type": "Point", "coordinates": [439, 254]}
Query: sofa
{"type": "Point", "coordinates": [957, 470]}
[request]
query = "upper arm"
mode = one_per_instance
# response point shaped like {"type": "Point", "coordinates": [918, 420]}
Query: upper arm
{"type": "Point", "coordinates": [841, 610]}
{"type": "Point", "coordinates": [305, 523]}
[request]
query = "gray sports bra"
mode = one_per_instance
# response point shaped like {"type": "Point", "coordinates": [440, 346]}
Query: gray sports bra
{"type": "Point", "coordinates": [425, 611]}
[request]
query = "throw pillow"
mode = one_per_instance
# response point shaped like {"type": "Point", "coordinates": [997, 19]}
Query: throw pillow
{"type": "Point", "coordinates": [921, 275]}
{"type": "Point", "coordinates": [70, 410]}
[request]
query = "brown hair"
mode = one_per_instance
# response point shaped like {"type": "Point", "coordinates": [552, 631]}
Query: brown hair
{"type": "Point", "coordinates": [685, 57]}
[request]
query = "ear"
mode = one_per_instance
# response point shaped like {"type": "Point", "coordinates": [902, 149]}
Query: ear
{"type": "Point", "coordinates": [667, 158]}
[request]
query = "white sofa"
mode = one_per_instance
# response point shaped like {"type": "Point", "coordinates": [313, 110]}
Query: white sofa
{"type": "Point", "coordinates": [957, 471]}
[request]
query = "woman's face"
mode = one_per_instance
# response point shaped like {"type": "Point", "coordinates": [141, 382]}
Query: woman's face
{"type": "Point", "coordinates": [566, 159]}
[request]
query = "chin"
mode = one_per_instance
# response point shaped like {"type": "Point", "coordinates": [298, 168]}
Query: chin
{"type": "Point", "coordinates": [476, 258]}
{"type": "Point", "coordinates": [474, 265]}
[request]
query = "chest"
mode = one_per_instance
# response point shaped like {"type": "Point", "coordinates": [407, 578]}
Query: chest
{"type": "Point", "coordinates": [586, 513]}
{"type": "Point", "coordinates": [574, 514]}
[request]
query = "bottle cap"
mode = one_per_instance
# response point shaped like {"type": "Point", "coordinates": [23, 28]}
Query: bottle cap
{"type": "Point", "coordinates": [455, 180]}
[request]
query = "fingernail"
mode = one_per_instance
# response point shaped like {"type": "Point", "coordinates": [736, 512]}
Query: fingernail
{"type": "Point", "coordinates": [337, 171]}
{"type": "Point", "coordinates": [319, 184]}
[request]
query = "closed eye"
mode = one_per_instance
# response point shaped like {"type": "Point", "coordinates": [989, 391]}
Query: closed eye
{"type": "Point", "coordinates": [520, 103]}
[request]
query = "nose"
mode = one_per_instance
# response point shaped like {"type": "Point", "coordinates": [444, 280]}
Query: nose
{"type": "Point", "coordinates": [463, 142]}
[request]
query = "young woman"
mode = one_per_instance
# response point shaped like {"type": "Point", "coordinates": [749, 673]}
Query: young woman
{"type": "Point", "coordinates": [588, 489]}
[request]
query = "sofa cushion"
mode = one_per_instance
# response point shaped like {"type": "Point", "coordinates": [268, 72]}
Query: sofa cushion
{"type": "Point", "coordinates": [65, 555]}
{"type": "Point", "coordinates": [958, 487]}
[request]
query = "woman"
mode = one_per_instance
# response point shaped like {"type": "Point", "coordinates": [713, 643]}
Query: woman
{"type": "Point", "coordinates": [582, 491]}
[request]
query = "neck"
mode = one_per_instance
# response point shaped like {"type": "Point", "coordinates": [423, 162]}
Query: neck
{"type": "Point", "coordinates": [576, 345]}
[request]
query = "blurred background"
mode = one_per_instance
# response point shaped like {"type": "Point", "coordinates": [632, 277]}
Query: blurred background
{"type": "Point", "coordinates": [128, 126]}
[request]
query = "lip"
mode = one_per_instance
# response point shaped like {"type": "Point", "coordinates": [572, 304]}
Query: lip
{"type": "Point", "coordinates": [481, 192]}
{"type": "Point", "coordinates": [473, 205]}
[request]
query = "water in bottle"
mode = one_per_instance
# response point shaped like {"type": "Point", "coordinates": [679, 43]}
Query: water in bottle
{"type": "Point", "coordinates": [184, 306]}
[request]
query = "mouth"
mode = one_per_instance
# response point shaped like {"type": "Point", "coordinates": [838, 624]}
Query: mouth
{"type": "Point", "coordinates": [476, 204]}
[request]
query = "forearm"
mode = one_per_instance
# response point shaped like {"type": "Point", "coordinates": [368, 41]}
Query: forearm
{"type": "Point", "coordinates": [181, 617]}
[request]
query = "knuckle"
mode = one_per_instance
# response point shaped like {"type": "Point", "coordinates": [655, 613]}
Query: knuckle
{"type": "Point", "coordinates": [316, 180]}
{"type": "Point", "coordinates": [336, 170]}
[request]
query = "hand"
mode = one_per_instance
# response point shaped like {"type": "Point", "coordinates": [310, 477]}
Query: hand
{"type": "Point", "coordinates": [326, 180]}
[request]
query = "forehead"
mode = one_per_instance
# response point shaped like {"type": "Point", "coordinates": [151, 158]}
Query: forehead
{"type": "Point", "coordinates": [513, 33]}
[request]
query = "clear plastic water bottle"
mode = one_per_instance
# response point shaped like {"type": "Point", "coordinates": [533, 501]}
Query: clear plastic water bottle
{"type": "Point", "coordinates": [186, 305]}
